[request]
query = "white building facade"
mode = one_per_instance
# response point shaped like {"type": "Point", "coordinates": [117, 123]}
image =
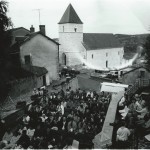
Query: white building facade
{"type": "Point", "coordinates": [76, 47]}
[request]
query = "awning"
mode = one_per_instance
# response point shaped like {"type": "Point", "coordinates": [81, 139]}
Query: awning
{"type": "Point", "coordinates": [112, 87]}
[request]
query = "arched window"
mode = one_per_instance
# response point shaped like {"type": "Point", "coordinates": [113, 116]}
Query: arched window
{"type": "Point", "coordinates": [75, 29]}
{"type": "Point", "coordinates": [63, 29]}
{"type": "Point", "coordinates": [92, 56]}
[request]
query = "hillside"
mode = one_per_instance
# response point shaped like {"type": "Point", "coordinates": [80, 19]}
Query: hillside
{"type": "Point", "coordinates": [130, 43]}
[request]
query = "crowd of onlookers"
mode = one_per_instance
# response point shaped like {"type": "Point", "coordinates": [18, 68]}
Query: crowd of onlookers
{"type": "Point", "coordinates": [133, 120]}
{"type": "Point", "coordinates": [67, 120]}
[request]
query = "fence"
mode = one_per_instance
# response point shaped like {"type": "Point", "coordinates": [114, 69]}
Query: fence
{"type": "Point", "coordinates": [140, 83]}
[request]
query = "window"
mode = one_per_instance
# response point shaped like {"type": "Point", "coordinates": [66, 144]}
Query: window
{"type": "Point", "coordinates": [118, 53]}
{"type": "Point", "coordinates": [27, 59]}
{"type": "Point", "coordinates": [106, 54]}
{"type": "Point", "coordinates": [106, 64]}
{"type": "Point", "coordinates": [75, 29]}
{"type": "Point", "coordinates": [92, 56]}
{"type": "Point", "coordinates": [63, 29]}
{"type": "Point", "coordinates": [142, 74]}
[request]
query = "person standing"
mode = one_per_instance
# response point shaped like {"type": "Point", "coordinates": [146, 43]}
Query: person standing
{"type": "Point", "coordinates": [123, 134]}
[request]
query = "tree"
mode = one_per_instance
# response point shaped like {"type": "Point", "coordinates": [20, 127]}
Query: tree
{"type": "Point", "coordinates": [5, 40]}
{"type": "Point", "coordinates": [147, 50]}
{"type": "Point", "coordinates": [5, 21]}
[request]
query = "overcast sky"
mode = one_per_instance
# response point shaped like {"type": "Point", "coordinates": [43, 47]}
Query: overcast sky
{"type": "Point", "coordinates": [98, 16]}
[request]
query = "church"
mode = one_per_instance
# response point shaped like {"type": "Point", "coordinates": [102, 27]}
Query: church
{"type": "Point", "coordinates": [95, 50]}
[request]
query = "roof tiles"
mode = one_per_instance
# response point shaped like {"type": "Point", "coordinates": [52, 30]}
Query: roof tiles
{"type": "Point", "coordinates": [93, 41]}
{"type": "Point", "coordinates": [70, 16]}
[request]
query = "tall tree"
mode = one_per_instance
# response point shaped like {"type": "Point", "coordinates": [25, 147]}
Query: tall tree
{"type": "Point", "coordinates": [147, 51]}
{"type": "Point", "coordinates": [5, 40]}
{"type": "Point", "coordinates": [5, 22]}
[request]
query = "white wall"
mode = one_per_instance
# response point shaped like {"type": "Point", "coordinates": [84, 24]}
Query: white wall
{"type": "Point", "coordinates": [69, 27]}
{"type": "Point", "coordinates": [44, 53]}
{"type": "Point", "coordinates": [71, 42]}
{"type": "Point", "coordinates": [114, 57]}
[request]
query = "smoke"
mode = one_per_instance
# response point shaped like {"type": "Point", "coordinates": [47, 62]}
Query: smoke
{"type": "Point", "coordinates": [125, 64]}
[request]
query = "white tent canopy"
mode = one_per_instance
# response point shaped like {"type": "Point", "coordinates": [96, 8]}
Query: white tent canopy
{"type": "Point", "coordinates": [112, 87]}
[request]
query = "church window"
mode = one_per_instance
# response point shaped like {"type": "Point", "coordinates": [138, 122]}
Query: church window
{"type": "Point", "coordinates": [92, 56]}
{"type": "Point", "coordinates": [63, 29]}
{"type": "Point", "coordinates": [106, 64]}
{"type": "Point", "coordinates": [75, 29]}
{"type": "Point", "coordinates": [106, 54]}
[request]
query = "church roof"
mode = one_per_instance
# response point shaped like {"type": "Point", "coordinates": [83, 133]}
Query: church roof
{"type": "Point", "coordinates": [93, 41]}
{"type": "Point", "coordinates": [70, 16]}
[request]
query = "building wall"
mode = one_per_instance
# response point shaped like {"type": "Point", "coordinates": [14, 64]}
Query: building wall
{"type": "Point", "coordinates": [71, 43]}
{"type": "Point", "coordinates": [39, 81]}
{"type": "Point", "coordinates": [19, 87]}
{"type": "Point", "coordinates": [131, 77]}
{"type": "Point", "coordinates": [19, 32]}
{"type": "Point", "coordinates": [25, 85]}
{"type": "Point", "coordinates": [98, 58]}
{"type": "Point", "coordinates": [44, 53]}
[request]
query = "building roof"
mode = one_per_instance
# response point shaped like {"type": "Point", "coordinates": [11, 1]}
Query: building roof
{"type": "Point", "coordinates": [93, 41]}
{"type": "Point", "coordinates": [56, 39]}
{"type": "Point", "coordinates": [30, 36]}
{"type": "Point", "coordinates": [21, 40]}
{"type": "Point", "coordinates": [70, 16]}
{"type": "Point", "coordinates": [136, 69]}
{"type": "Point", "coordinates": [15, 29]}
{"type": "Point", "coordinates": [35, 70]}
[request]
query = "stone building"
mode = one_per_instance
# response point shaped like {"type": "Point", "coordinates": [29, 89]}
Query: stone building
{"type": "Point", "coordinates": [93, 49]}
{"type": "Point", "coordinates": [36, 49]}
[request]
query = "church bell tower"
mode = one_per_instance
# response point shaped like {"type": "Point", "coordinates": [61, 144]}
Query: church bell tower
{"type": "Point", "coordinates": [70, 37]}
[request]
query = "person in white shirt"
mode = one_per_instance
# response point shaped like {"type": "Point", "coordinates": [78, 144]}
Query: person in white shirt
{"type": "Point", "coordinates": [62, 108]}
{"type": "Point", "coordinates": [30, 132]}
{"type": "Point", "coordinates": [142, 112]}
{"type": "Point", "coordinates": [121, 102]}
{"type": "Point", "coordinates": [123, 134]}
{"type": "Point", "coordinates": [43, 117]}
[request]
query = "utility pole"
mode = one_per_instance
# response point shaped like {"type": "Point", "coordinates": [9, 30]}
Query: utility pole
{"type": "Point", "coordinates": [39, 12]}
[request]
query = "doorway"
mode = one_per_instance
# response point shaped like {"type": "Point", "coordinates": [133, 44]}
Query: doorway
{"type": "Point", "coordinates": [106, 63]}
{"type": "Point", "coordinates": [64, 61]}
{"type": "Point", "coordinates": [44, 80]}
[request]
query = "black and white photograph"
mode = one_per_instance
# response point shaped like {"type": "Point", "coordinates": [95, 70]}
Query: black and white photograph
{"type": "Point", "coordinates": [74, 74]}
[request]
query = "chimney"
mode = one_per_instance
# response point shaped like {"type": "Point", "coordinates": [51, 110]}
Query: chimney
{"type": "Point", "coordinates": [42, 29]}
{"type": "Point", "coordinates": [32, 29]}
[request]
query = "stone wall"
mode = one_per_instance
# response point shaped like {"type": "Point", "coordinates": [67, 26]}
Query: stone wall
{"type": "Point", "coordinates": [44, 53]}
{"type": "Point", "coordinates": [131, 77]}
{"type": "Point", "coordinates": [20, 87]}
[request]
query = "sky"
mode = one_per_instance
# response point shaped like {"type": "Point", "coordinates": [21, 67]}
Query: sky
{"type": "Point", "coordinates": [98, 16]}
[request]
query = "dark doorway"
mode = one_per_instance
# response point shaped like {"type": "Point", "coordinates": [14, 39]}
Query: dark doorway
{"type": "Point", "coordinates": [44, 80]}
{"type": "Point", "coordinates": [64, 59]}
{"type": "Point", "coordinates": [106, 64]}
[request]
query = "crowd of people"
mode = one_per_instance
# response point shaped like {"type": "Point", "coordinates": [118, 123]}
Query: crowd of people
{"type": "Point", "coordinates": [133, 120]}
{"type": "Point", "coordinates": [67, 120]}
